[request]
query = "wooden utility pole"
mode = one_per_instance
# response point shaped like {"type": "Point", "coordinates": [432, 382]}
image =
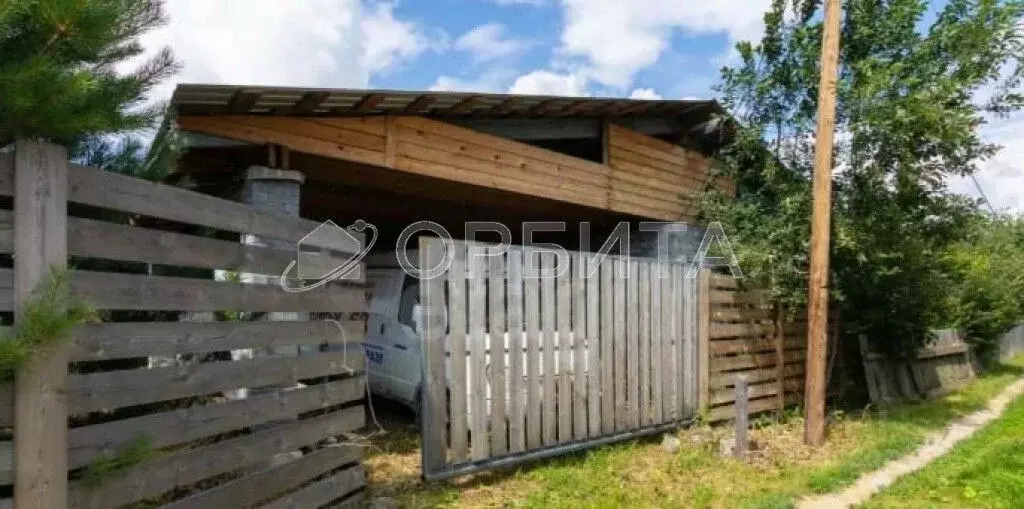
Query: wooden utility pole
{"type": "Point", "coordinates": [817, 308]}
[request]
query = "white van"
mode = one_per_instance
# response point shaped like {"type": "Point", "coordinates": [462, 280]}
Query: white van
{"type": "Point", "coordinates": [392, 342]}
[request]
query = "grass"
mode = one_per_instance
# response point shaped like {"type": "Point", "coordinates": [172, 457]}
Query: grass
{"type": "Point", "coordinates": [640, 473]}
{"type": "Point", "coordinates": [986, 470]}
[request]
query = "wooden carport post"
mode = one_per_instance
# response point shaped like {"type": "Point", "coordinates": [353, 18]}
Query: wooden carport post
{"type": "Point", "coordinates": [40, 401]}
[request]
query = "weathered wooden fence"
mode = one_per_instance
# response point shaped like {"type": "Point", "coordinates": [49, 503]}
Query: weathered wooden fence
{"type": "Point", "coordinates": [533, 365]}
{"type": "Point", "coordinates": [944, 365]}
{"type": "Point", "coordinates": [130, 432]}
{"type": "Point", "coordinates": [1012, 343]}
{"type": "Point", "coordinates": [748, 334]}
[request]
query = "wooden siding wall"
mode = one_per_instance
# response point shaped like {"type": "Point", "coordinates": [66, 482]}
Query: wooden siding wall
{"type": "Point", "coordinates": [208, 451]}
{"type": "Point", "coordinates": [748, 335]}
{"type": "Point", "coordinates": [605, 347]}
{"type": "Point", "coordinates": [645, 176]}
{"type": "Point", "coordinates": [648, 174]}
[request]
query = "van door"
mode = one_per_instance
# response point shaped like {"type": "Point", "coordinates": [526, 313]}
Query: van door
{"type": "Point", "coordinates": [405, 342]}
{"type": "Point", "coordinates": [384, 288]}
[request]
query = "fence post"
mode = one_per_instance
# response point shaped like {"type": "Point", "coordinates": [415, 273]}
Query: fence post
{"type": "Point", "coordinates": [433, 401]}
{"type": "Point", "coordinates": [40, 402]}
{"type": "Point", "coordinates": [780, 357]}
{"type": "Point", "coordinates": [704, 327]}
{"type": "Point", "coordinates": [740, 447]}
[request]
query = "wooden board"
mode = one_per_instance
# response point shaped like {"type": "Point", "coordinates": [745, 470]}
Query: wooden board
{"type": "Point", "coordinates": [690, 327]}
{"type": "Point", "coordinates": [195, 422]}
{"type": "Point", "coordinates": [531, 302]}
{"type": "Point", "coordinates": [657, 342]}
{"type": "Point", "coordinates": [619, 340]}
{"type": "Point", "coordinates": [703, 347]}
{"type": "Point", "coordinates": [497, 334]}
{"type": "Point", "coordinates": [107, 390]}
{"type": "Point", "coordinates": [563, 287]}
{"type": "Point", "coordinates": [668, 344]}
{"type": "Point", "coordinates": [607, 351]}
{"type": "Point", "coordinates": [90, 238]}
{"type": "Point", "coordinates": [517, 386]}
{"type": "Point", "coordinates": [593, 348]}
{"type": "Point", "coordinates": [720, 380]}
{"type": "Point", "coordinates": [646, 411]}
{"type": "Point", "coordinates": [244, 128]}
{"type": "Point", "coordinates": [40, 403]}
{"type": "Point", "coordinates": [479, 446]}
{"type": "Point", "coordinates": [435, 163]}
{"type": "Point", "coordinates": [184, 467]}
{"type": "Point", "coordinates": [108, 290]}
{"type": "Point", "coordinates": [122, 340]}
{"type": "Point", "coordinates": [91, 186]}
{"type": "Point", "coordinates": [270, 482]}
{"type": "Point", "coordinates": [753, 345]}
{"type": "Point", "coordinates": [549, 417]}
{"type": "Point", "coordinates": [579, 348]}
{"type": "Point", "coordinates": [678, 280]}
{"type": "Point", "coordinates": [633, 344]}
{"type": "Point", "coordinates": [754, 360]}
{"type": "Point", "coordinates": [321, 492]}
{"type": "Point", "coordinates": [766, 404]}
{"type": "Point", "coordinates": [458, 330]}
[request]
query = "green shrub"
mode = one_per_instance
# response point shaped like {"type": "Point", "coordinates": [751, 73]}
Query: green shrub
{"type": "Point", "coordinates": [45, 321]}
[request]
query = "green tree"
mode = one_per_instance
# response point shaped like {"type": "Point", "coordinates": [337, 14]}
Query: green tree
{"type": "Point", "coordinates": [59, 76]}
{"type": "Point", "coordinates": [987, 290]}
{"type": "Point", "coordinates": [911, 96]}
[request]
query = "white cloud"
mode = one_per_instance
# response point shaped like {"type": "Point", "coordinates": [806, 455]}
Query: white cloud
{"type": "Point", "coordinates": [644, 93]}
{"type": "Point", "coordinates": [485, 42]}
{"type": "Point", "coordinates": [1002, 177]}
{"type": "Point", "coordinates": [615, 39]}
{"type": "Point", "coordinates": [550, 83]}
{"type": "Point", "coordinates": [387, 41]}
{"type": "Point", "coordinates": [327, 43]}
{"type": "Point", "coordinates": [493, 80]}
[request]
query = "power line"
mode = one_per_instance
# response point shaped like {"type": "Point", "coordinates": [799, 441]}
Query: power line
{"type": "Point", "coordinates": [982, 193]}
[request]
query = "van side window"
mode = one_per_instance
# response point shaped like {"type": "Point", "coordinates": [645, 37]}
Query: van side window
{"type": "Point", "coordinates": [409, 299]}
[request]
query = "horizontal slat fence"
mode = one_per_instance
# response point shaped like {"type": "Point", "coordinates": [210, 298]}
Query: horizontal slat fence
{"type": "Point", "coordinates": [228, 408]}
{"type": "Point", "coordinates": [748, 335]}
{"type": "Point", "coordinates": [535, 359]}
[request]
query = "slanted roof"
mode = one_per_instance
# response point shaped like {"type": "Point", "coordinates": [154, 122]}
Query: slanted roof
{"type": "Point", "coordinates": [199, 99]}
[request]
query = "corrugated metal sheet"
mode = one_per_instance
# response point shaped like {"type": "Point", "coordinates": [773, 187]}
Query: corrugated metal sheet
{"type": "Point", "coordinates": [199, 99]}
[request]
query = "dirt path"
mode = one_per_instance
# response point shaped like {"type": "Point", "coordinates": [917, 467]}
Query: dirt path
{"type": "Point", "coordinates": [933, 447]}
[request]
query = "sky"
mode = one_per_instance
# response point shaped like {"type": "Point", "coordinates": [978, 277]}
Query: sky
{"type": "Point", "coordinates": [649, 49]}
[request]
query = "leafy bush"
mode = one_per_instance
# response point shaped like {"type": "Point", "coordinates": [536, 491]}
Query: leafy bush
{"type": "Point", "coordinates": [987, 281]}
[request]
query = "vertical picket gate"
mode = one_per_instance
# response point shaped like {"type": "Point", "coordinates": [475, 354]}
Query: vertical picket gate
{"type": "Point", "coordinates": [525, 357]}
